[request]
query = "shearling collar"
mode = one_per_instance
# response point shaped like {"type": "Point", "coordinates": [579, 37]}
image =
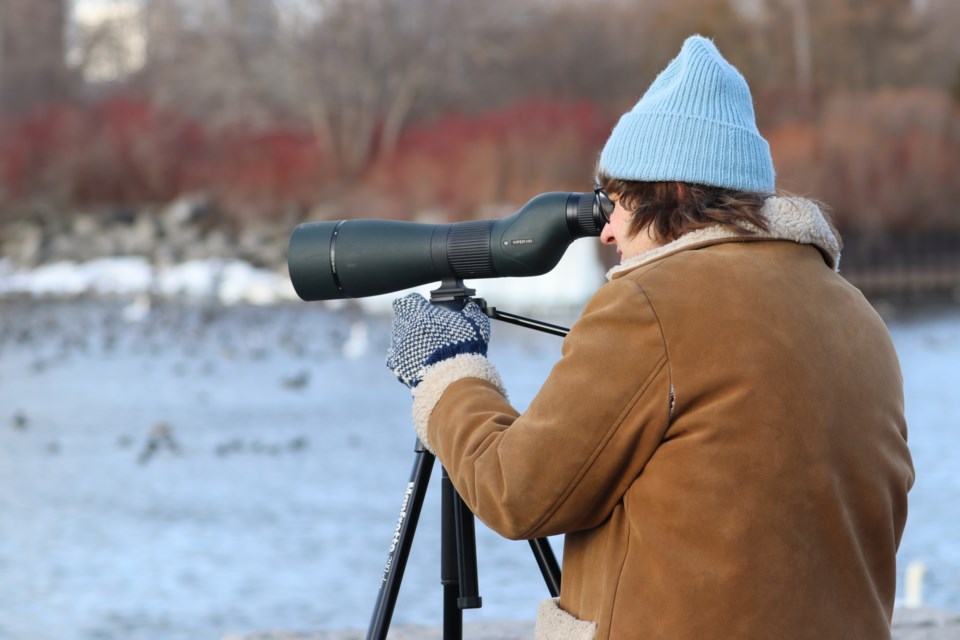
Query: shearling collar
{"type": "Point", "coordinates": [795, 219]}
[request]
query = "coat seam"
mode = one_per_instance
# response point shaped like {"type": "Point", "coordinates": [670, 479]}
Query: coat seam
{"type": "Point", "coordinates": [671, 394]}
{"type": "Point", "coordinates": [623, 565]}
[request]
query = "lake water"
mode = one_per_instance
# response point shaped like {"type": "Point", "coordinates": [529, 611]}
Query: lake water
{"type": "Point", "coordinates": [282, 447]}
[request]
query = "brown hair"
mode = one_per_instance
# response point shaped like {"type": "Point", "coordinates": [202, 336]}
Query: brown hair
{"type": "Point", "coordinates": [671, 209]}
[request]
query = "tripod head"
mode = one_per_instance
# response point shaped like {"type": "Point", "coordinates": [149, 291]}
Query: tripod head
{"type": "Point", "coordinates": [454, 294]}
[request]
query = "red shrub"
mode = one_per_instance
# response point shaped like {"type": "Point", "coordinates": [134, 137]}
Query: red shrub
{"type": "Point", "coordinates": [128, 151]}
{"type": "Point", "coordinates": [882, 161]}
{"type": "Point", "coordinates": [461, 164]}
{"type": "Point", "coordinates": [259, 171]}
{"type": "Point", "coordinates": [118, 151]}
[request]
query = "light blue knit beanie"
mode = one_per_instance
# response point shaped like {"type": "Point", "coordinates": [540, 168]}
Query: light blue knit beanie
{"type": "Point", "coordinates": [694, 124]}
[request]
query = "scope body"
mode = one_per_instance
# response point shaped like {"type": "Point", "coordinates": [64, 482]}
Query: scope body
{"type": "Point", "coordinates": [357, 258]}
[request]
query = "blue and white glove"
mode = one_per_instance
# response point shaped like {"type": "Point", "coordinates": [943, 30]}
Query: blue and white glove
{"type": "Point", "coordinates": [424, 334]}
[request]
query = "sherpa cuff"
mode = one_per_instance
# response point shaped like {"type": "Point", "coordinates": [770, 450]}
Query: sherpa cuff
{"type": "Point", "coordinates": [436, 379]}
{"type": "Point", "coordinates": [553, 623]}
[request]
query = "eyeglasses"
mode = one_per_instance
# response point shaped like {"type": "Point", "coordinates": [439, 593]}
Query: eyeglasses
{"type": "Point", "coordinates": [602, 204]}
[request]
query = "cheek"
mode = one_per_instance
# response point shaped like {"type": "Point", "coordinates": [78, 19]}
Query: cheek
{"type": "Point", "coordinates": [622, 218]}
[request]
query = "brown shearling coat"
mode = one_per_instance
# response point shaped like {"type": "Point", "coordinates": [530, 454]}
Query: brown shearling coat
{"type": "Point", "coordinates": [722, 442]}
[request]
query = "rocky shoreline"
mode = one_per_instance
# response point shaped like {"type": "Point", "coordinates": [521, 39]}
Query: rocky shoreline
{"type": "Point", "coordinates": [909, 623]}
{"type": "Point", "coordinates": [189, 228]}
{"type": "Point", "coordinates": [480, 630]}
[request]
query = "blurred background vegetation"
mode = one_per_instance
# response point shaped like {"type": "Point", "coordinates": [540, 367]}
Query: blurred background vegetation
{"type": "Point", "coordinates": [287, 110]}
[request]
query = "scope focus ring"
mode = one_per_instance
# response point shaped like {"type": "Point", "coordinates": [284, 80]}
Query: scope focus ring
{"type": "Point", "coordinates": [587, 218]}
{"type": "Point", "coordinates": [468, 250]}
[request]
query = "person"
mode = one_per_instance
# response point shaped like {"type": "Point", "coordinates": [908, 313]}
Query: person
{"type": "Point", "coordinates": [722, 441]}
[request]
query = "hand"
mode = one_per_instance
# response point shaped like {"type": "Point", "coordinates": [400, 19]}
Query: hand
{"type": "Point", "coordinates": [424, 334]}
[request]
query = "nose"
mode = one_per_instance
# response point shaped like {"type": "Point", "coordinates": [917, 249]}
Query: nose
{"type": "Point", "coordinates": [606, 235]}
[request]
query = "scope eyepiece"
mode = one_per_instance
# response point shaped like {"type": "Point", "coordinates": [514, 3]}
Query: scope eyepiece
{"type": "Point", "coordinates": [359, 258]}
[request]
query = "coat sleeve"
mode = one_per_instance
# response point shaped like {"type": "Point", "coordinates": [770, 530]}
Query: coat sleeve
{"type": "Point", "coordinates": [565, 463]}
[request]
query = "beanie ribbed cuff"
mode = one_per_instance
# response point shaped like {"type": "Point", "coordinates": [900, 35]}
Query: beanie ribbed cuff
{"type": "Point", "coordinates": [653, 147]}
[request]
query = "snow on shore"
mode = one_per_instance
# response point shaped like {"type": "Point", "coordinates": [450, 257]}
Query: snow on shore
{"type": "Point", "coordinates": [231, 282]}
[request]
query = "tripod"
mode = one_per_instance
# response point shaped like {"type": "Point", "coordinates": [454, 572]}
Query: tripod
{"type": "Point", "coordinates": [458, 553]}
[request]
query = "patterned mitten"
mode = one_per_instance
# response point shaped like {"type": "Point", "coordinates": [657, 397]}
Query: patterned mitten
{"type": "Point", "coordinates": [424, 334]}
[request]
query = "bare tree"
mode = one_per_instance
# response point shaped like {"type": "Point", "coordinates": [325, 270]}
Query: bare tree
{"type": "Point", "coordinates": [355, 70]}
{"type": "Point", "coordinates": [32, 52]}
{"type": "Point", "coordinates": [108, 42]}
{"type": "Point", "coordinates": [802, 50]}
{"type": "Point", "coordinates": [853, 45]}
{"type": "Point", "coordinates": [940, 23]}
{"type": "Point", "coordinates": [365, 66]}
{"type": "Point", "coordinates": [213, 57]}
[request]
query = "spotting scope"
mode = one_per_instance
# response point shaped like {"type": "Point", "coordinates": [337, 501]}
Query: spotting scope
{"type": "Point", "coordinates": [357, 258]}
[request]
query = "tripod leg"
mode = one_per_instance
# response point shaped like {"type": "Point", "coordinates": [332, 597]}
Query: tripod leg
{"type": "Point", "coordinates": [401, 543]}
{"type": "Point", "coordinates": [449, 562]}
{"type": "Point", "coordinates": [466, 555]}
{"type": "Point", "coordinates": [548, 564]}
